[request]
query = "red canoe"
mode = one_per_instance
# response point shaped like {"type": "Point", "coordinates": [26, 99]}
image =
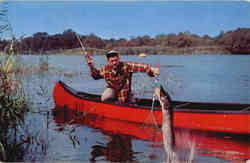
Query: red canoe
{"type": "Point", "coordinates": [234, 148]}
{"type": "Point", "coordinates": [219, 117]}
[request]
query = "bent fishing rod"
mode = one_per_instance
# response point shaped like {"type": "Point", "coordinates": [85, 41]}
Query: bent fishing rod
{"type": "Point", "coordinates": [82, 46]}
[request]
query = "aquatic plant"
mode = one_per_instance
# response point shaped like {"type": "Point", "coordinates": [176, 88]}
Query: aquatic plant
{"type": "Point", "coordinates": [12, 99]}
{"type": "Point", "coordinates": [13, 104]}
{"type": "Point", "coordinates": [6, 63]}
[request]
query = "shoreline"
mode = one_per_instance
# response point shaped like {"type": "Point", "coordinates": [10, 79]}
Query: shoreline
{"type": "Point", "coordinates": [147, 50]}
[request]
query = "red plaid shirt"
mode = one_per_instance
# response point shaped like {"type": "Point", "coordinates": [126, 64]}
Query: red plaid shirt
{"type": "Point", "coordinates": [120, 79]}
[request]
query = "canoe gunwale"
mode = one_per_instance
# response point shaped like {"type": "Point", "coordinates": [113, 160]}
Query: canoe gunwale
{"type": "Point", "coordinates": [179, 106]}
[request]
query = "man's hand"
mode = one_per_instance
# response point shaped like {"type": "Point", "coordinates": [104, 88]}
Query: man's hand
{"type": "Point", "coordinates": [84, 52]}
{"type": "Point", "coordinates": [88, 59]}
{"type": "Point", "coordinates": [155, 70]}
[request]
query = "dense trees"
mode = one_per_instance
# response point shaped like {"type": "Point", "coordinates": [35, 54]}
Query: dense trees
{"type": "Point", "coordinates": [237, 41]}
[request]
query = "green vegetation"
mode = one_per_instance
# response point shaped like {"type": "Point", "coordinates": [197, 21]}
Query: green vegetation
{"type": "Point", "coordinates": [12, 98]}
{"type": "Point", "coordinates": [13, 104]}
{"type": "Point", "coordinates": [13, 107]}
{"type": "Point", "coordinates": [231, 42]}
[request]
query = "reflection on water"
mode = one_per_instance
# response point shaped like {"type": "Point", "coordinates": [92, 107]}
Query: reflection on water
{"type": "Point", "coordinates": [120, 136]}
{"type": "Point", "coordinates": [119, 145]}
{"type": "Point", "coordinates": [118, 149]}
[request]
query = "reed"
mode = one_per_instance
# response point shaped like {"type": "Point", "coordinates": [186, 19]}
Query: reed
{"type": "Point", "coordinates": [12, 97]}
{"type": "Point", "coordinates": [13, 104]}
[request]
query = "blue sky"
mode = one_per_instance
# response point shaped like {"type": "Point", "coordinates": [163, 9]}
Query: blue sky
{"type": "Point", "coordinates": [128, 19]}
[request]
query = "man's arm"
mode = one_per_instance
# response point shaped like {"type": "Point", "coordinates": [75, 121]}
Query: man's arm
{"type": "Point", "coordinates": [143, 67]}
{"type": "Point", "coordinates": [95, 73]}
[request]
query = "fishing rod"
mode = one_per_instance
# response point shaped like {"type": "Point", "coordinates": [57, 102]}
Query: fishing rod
{"type": "Point", "coordinates": [86, 55]}
{"type": "Point", "coordinates": [83, 48]}
{"type": "Point", "coordinates": [80, 41]}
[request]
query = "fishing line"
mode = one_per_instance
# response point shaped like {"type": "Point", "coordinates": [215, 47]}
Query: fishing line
{"type": "Point", "coordinates": [156, 84]}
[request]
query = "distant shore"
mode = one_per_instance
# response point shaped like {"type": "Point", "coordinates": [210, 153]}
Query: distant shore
{"type": "Point", "coordinates": [231, 42]}
{"type": "Point", "coordinates": [146, 50]}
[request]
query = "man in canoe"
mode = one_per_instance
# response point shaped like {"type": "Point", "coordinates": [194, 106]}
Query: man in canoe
{"type": "Point", "coordinates": [118, 75]}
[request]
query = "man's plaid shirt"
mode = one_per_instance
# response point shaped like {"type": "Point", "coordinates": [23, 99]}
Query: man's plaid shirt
{"type": "Point", "coordinates": [120, 79]}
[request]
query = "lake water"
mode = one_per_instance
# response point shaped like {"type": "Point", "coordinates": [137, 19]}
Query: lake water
{"type": "Point", "coordinates": [206, 78]}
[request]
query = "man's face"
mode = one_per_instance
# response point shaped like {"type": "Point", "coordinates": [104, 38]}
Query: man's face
{"type": "Point", "coordinates": [114, 61]}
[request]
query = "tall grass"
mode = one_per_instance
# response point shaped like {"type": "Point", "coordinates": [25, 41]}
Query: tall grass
{"type": "Point", "coordinates": [13, 104]}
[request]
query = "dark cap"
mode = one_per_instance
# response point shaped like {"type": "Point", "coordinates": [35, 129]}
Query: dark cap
{"type": "Point", "coordinates": [112, 53]}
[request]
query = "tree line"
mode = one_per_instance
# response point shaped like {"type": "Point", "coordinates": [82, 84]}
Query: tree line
{"type": "Point", "coordinates": [237, 41]}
